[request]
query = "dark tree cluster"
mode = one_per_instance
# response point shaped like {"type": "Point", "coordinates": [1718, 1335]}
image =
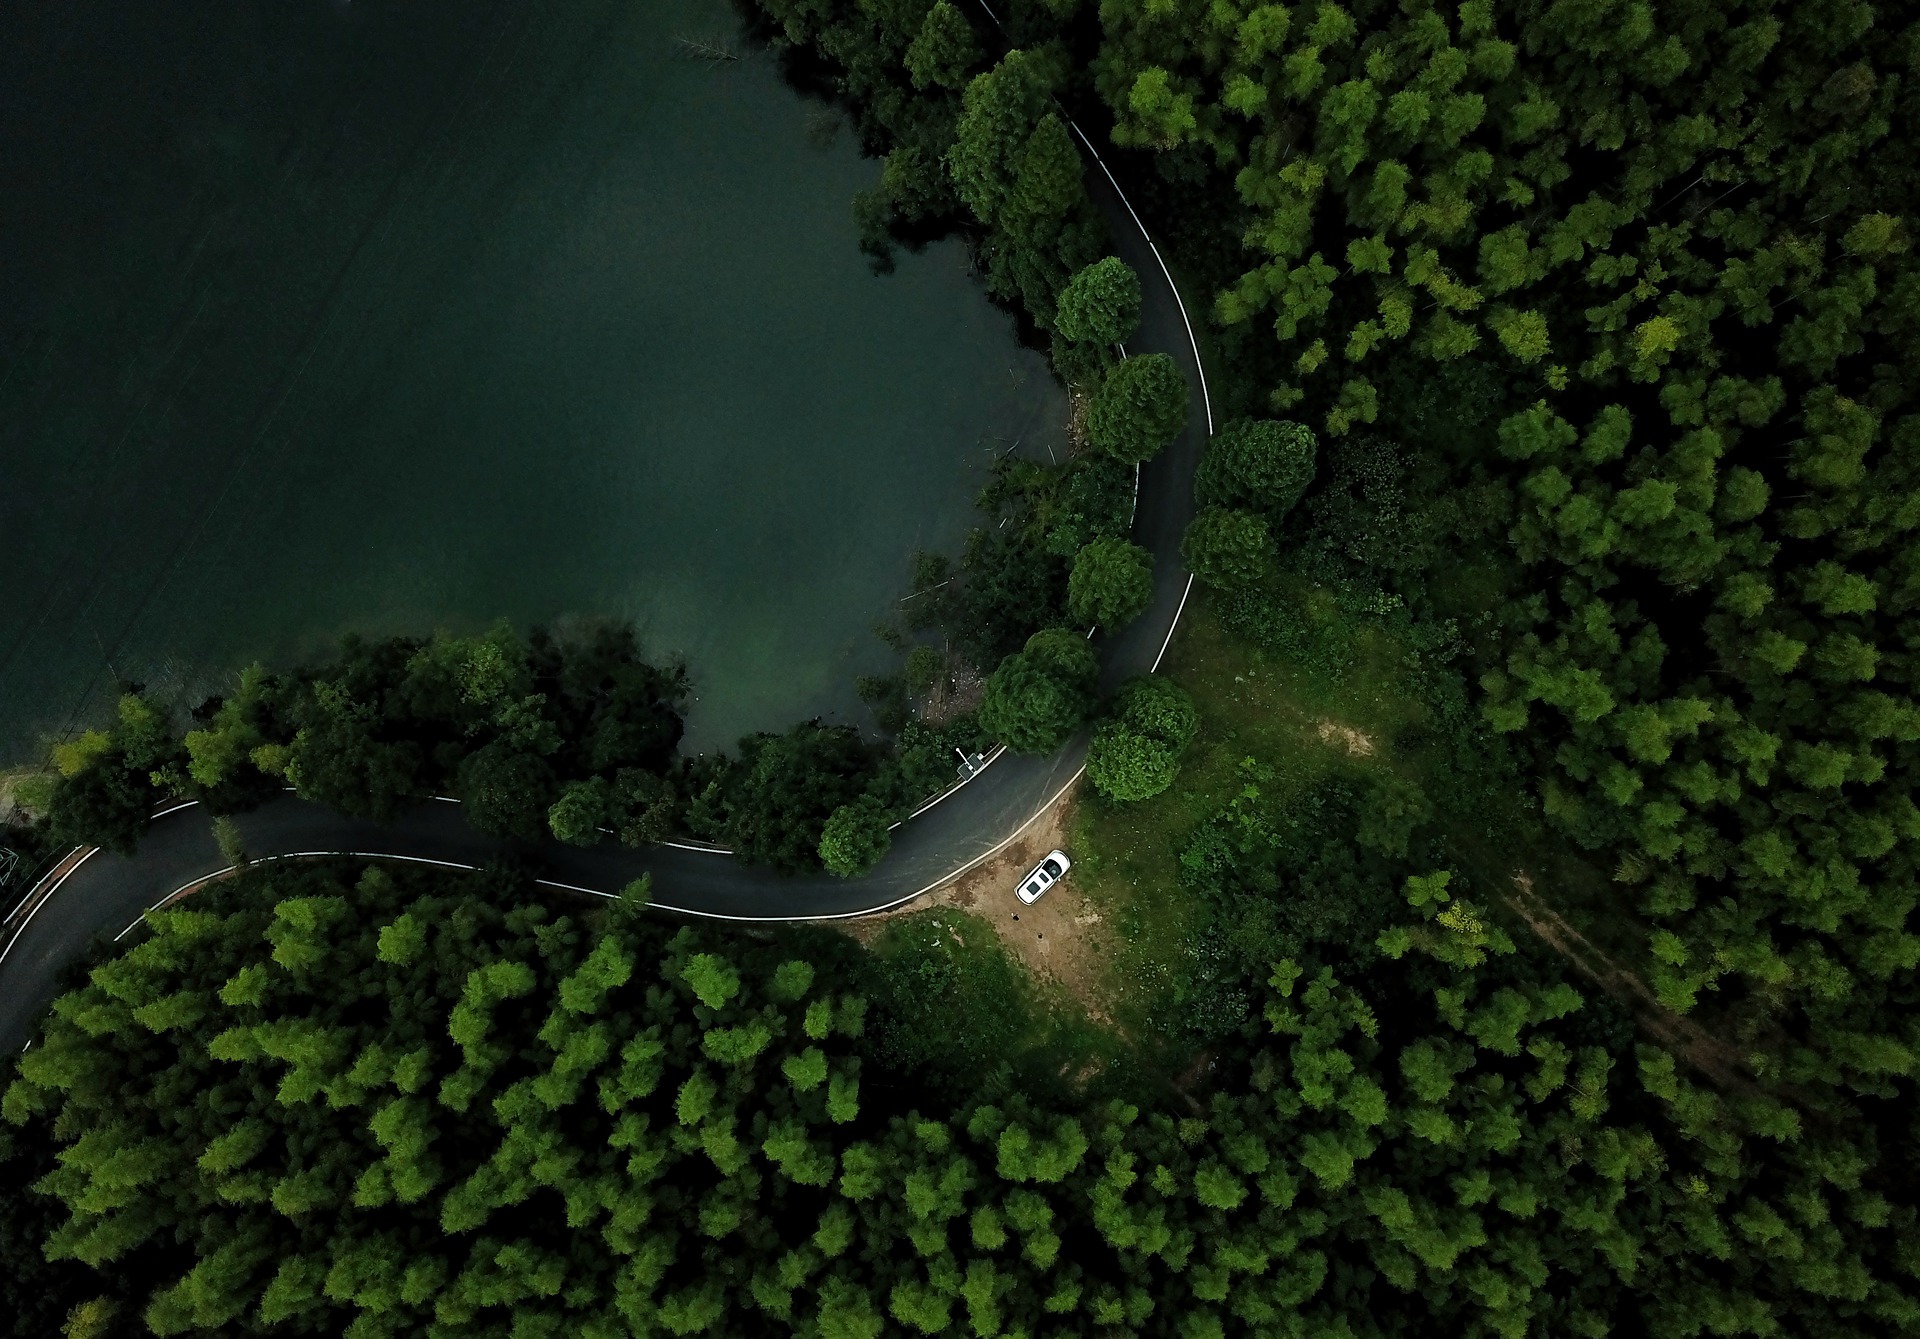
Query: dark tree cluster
{"type": "Point", "coordinates": [330, 1101]}
{"type": "Point", "coordinates": [575, 739]}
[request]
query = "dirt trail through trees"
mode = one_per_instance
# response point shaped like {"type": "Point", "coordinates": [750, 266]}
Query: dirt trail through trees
{"type": "Point", "coordinates": [1719, 1060]}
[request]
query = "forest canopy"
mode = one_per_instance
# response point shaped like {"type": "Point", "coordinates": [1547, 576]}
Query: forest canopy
{"type": "Point", "coordinates": [1569, 340]}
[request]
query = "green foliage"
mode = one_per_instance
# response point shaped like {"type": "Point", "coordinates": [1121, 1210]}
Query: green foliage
{"type": "Point", "coordinates": [943, 50]}
{"type": "Point", "coordinates": [507, 790]}
{"type": "Point", "coordinates": [498, 719]}
{"type": "Point", "coordinates": [855, 837]}
{"type": "Point", "coordinates": [1228, 549]}
{"type": "Point", "coordinates": [1037, 697]}
{"type": "Point", "coordinates": [1257, 464]}
{"type": "Point", "coordinates": [1155, 705]}
{"type": "Point", "coordinates": [636, 1125]}
{"type": "Point", "coordinates": [787, 787]}
{"type": "Point", "coordinates": [1140, 406]}
{"type": "Point", "coordinates": [576, 817]}
{"type": "Point", "coordinates": [1100, 304]}
{"type": "Point", "coordinates": [1111, 583]}
{"type": "Point", "coordinates": [1135, 754]}
{"type": "Point", "coordinates": [1124, 764]}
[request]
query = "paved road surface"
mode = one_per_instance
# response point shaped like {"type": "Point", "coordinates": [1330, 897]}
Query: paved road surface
{"type": "Point", "coordinates": [100, 892]}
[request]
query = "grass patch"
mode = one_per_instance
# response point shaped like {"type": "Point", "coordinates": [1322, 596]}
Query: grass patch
{"type": "Point", "coordinates": [1265, 723]}
{"type": "Point", "coordinates": [1281, 733]}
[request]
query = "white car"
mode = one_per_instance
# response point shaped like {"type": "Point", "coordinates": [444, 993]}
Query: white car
{"type": "Point", "coordinates": [1043, 876]}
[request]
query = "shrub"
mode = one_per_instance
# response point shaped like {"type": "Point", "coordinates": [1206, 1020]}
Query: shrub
{"type": "Point", "coordinates": [1155, 705]}
{"type": "Point", "coordinates": [1123, 764]}
{"type": "Point", "coordinates": [576, 816]}
{"type": "Point", "coordinates": [1039, 695]}
{"type": "Point", "coordinates": [1136, 754]}
{"type": "Point", "coordinates": [1140, 407]}
{"type": "Point", "coordinates": [1101, 304]}
{"type": "Point", "coordinates": [1260, 464]}
{"type": "Point", "coordinates": [856, 836]}
{"type": "Point", "coordinates": [1111, 583]}
{"type": "Point", "coordinates": [1228, 549]}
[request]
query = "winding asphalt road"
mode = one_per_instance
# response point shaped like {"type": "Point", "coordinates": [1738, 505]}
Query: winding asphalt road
{"type": "Point", "coordinates": [93, 892]}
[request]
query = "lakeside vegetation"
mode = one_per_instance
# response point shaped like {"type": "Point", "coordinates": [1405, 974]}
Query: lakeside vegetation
{"type": "Point", "coordinates": [1559, 538]}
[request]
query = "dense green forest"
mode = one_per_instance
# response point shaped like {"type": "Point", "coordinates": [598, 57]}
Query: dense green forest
{"type": "Point", "coordinates": [321, 1101]}
{"type": "Point", "coordinates": [1566, 339]}
{"type": "Point", "coordinates": [1603, 314]}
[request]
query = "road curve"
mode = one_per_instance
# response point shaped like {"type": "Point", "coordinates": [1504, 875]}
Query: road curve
{"type": "Point", "coordinates": [97, 892]}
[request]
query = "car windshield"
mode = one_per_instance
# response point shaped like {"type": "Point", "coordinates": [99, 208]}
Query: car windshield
{"type": "Point", "coordinates": [1051, 869]}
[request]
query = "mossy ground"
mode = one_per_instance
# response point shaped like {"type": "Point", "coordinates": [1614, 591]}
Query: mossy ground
{"type": "Point", "coordinates": [1269, 721]}
{"type": "Point", "coordinates": [1256, 710]}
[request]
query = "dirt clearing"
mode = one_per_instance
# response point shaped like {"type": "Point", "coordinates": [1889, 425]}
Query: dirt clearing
{"type": "Point", "coordinates": [1061, 938]}
{"type": "Point", "coordinates": [1357, 743]}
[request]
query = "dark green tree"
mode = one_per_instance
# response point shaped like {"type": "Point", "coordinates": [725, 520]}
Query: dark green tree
{"type": "Point", "coordinates": [1111, 583]}
{"type": "Point", "coordinates": [1041, 694]}
{"type": "Point", "coordinates": [1228, 549]}
{"type": "Point", "coordinates": [1261, 465]}
{"type": "Point", "coordinates": [507, 790]}
{"type": "Point", "coordinates": [943, 50]}
{"type": "Point", "coordinates": [1100, 304]}
{"type": "Point", "coordinates": [788, 786]}
{"type": "Point", "coordinates": [1141, 405]}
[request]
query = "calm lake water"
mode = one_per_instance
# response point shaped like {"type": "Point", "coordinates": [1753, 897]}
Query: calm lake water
{"type": "Point", "coordinates": [382, 317]}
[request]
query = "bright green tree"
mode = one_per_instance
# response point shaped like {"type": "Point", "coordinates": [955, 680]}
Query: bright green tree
{"type": "Point", "coordinates": [855, 837]}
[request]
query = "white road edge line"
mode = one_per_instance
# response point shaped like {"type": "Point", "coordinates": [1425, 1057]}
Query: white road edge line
{"type": "Point", "coordinates": [52, 888]}
{"type": "Point", "coordinates": [1206, 404]}
{"type": "Point", "coordinates": [193, 885]}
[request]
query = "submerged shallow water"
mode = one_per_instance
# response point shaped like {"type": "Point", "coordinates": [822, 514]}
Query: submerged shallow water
{"type": "Point", "coordinates": [320, 318]}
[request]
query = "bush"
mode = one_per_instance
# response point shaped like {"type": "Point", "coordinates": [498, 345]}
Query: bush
{"type": "Point", "coordinates": [1228, 549]}
{"type": "Point", "coordinates": [1111, 583]}
{"type": "Point", "coordinates": [576, 816]}
{"type": "Point", "coordinates": [643, 807]}
{"type": "Point", "coordinates": [1101, 304]}
{"type": "Point", "coordinates": [102, 804]}
{"type": "Point", "coordinates": [1042, 693]}
{"type": "Point", "coordinates": [1155, 705]}
{"type": "Point", "coordinates": [1259, 464]}
{"type": "Point", "coordinates": [786, 788]}
{"type": "Point", "coordinates": [507, 790]}
{"type": "Point", "coordinates": [1123, 764]}
{"type": "Point", "coordinates": [856, 837]}
{"type": "Point", "coordinates": [1136, 754]}
{"type": "Point", "coordinates": [1092, 499]}
{"type": "Point", "coordinates": [1140, 407]}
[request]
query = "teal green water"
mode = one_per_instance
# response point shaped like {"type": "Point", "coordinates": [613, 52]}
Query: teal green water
{"type": "Point", "coordinates": [382, 318]}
